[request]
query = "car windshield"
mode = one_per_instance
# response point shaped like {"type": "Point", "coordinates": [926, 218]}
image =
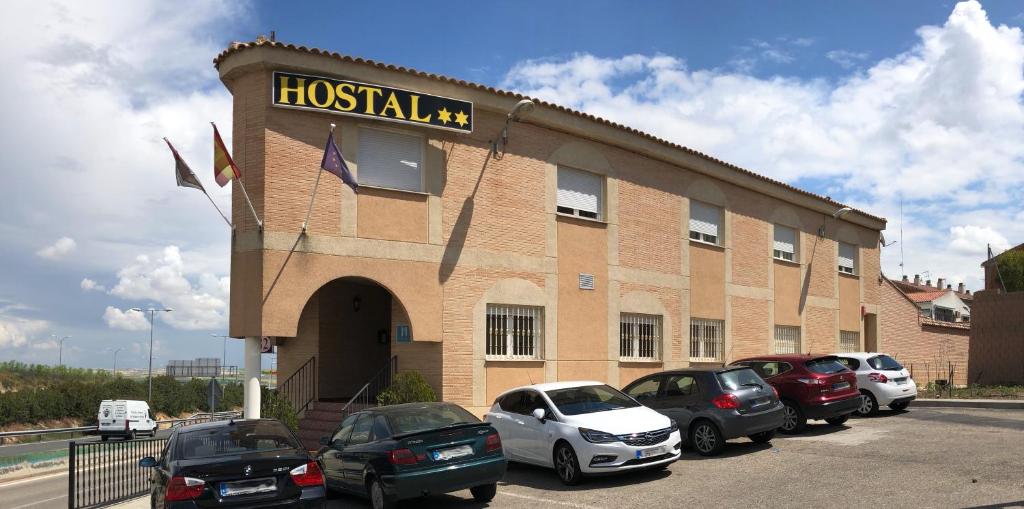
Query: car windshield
{"type": "Point", "coordinates": [884, 363]}
{"type": "Point", "coordinates": [235, 438]}
{"type": "Point", "coordinates": [415, 418]}
{"type": "Point", "coordinates": [825, 365]}
{"type": "Point", "coordinates": [589, 399]}
{"type": "Point", "coordinates": [737, 378]}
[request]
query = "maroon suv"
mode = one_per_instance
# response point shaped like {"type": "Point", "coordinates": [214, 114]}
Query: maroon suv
{"type": "Point", "coordinates": [810, 387]}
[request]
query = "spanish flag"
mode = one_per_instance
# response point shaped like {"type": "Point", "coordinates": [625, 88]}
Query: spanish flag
{"type": "Point", "coordinates": [224, 168]}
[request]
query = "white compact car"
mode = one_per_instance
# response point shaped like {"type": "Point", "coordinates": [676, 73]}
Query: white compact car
{"type": "Point", "coordinates": [581, 428]}
{"type": "Point", "coordinates": [125, 418]}
{"type": "Point", "coordinates": [882, 381]}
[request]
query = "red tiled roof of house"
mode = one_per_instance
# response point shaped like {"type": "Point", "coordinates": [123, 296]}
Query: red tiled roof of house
{"type": "Point", "coordinates": [909, 287]}
{"type": "Point", "coordinates": [926, 296]}
{"type": "Point", "coordinates": [236, 47]}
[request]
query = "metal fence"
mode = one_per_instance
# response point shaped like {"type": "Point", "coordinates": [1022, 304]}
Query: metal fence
{"type": "Point", "coordinates": [105, 473]}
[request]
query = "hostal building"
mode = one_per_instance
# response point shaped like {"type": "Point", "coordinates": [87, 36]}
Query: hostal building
{"type": "Point", "coordinates": [579, 249]}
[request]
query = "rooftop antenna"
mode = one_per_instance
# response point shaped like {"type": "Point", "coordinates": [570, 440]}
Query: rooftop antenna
{"type": "Point", "coordinates": [902, 270]}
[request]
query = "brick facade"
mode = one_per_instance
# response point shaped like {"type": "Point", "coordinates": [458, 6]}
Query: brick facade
{"type": "Point", "coordinates": [997, 338]}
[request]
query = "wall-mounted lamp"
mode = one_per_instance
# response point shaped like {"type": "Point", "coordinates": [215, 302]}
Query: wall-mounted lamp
{"type": "Point", "coordinates": [356, 303]}
{"type": "Point", "coordinates": [836, 216]}
{"type": "Point", "coordinates": [519, 111]}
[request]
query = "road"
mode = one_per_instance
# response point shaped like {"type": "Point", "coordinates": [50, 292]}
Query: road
{"type": "Point", "coordinates": [921, 458]}
{"type": "Point", "coordinates": [57, 445]}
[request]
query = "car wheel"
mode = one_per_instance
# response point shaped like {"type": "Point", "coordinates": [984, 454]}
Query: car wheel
{"type": "Point", "coordinates": [484, 493]}
{"type": "Point", "coordinates": [706, 438]}
{"type": "Point", "coordinates": [763, 437]}
{"type": "Point", "coordinates": [901, 406]}
{"type": "Point", "coordinates": [378, 498]}
{"type": "Point", "coordinates": [868, 404]}
{"type": "Point", "coordinates": [793, 420]}
{"type": "Point", "coordinates": [566, 465]}
{"type": "Point", "coordinates": [838, 421]}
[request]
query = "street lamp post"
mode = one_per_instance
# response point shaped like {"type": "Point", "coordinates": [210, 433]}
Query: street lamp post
{"type": "Point", "coordinates": [152, 315]}
{"type": "Point", "coordinates": [115, 362]}
{"type": "Point", "coordinates": [224, 355]}
{"type": "Point", "coordinates": [60, 348]}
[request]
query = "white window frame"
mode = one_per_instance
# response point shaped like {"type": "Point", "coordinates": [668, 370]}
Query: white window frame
{"type": "Point", "coordinates": [781, 247]}
{"type": "Point", "coordinates": [564, 200]}
{"type": "Point", "coordinates": [850, 268]}
{"type": "Point", "coordinates": [849, 341]}
{"type": "Point", "coordinates": [787, 339]}
{"type": "Point", "coordinates": [697, 231]}
{"type": "Point", "coordinates": [640, 337]}
{"type": "Point", "coordinates": [513, 332]}
{"type": "Point", "coordinates": [361, 160]}
{"type": "Point", "coordinates": [707, 339]}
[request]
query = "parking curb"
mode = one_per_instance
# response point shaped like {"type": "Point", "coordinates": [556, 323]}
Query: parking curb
{"type": "Point", "coordinates": [1015, 404]}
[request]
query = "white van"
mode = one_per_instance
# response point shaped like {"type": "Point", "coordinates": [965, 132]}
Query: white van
{"type": "Point", "coordinates": [125, 418]}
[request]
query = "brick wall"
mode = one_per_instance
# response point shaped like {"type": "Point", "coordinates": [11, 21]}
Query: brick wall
{"type": "Point", "coordinates": [997, 338]}
{"type": "Point", "coordinates": [924, 346]}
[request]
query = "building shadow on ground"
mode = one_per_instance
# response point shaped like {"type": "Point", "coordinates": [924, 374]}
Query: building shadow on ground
{"type": "Point", "coordinates": [545, 479]}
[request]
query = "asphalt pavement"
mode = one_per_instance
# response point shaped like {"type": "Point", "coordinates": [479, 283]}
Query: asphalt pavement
{"type": "Point", "coordinates": [58, 445]}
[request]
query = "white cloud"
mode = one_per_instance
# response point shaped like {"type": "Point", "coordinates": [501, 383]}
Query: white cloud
{"type": "Point", "coordinates": [57, 250]}
{"type": "Point", "coordinates": [938, 126]}
{"type": "Point", "coordinates": [847, 59]}
{"type": "Point", "coordinates": [89, 285]}
{"type": "Point", "coordinates": [125, 320]}
{"type": "Point", "coordinates": [16, 330]}
{"type": "Point", "coordinates": [974, 240]}
{"type": "Point", "coordinates": [199, 299]}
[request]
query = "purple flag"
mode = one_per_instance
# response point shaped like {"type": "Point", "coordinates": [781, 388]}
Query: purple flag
{"type": "Point", "coordinates": [335, 163]}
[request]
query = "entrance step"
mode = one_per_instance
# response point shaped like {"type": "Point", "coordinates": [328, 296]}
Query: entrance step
{"type": "Point", "coordinates": [321, 419]}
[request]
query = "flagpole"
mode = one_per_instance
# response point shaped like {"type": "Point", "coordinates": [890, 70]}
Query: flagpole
{"type": "Point", "coordinates": [208, 197]}
{"type": "Point", "coordinates": [251, 208]}
{"type": "Point", "coordinates": [312, 195]}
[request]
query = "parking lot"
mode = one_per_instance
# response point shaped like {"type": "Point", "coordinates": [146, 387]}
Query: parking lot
{"type": "Point", "coordinates": [919, 458]}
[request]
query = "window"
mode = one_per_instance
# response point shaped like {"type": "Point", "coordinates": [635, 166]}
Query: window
{"type": "Point", "coordinates": [680, 385]}
{"type": "Point", "coordinates": [884, 363]}
{"type": "Point", "coordinates": [580, 193]}
{"type": "Point", "coordinates": [341, 436]}
{"type": "Point", "coordinates": [943, 314]}
{"type": "Point", "coordinates": [389, 159]}
{"type": "Point", "coordinates": [705, 222]}
{"type": "Point", "coordinates": [784, 247]}
{"type": "Point", "coordinates": [706, 340]}
{"type": "Point", "coordinates": [645, 389]}
{"type": "Point", "coordinates": [849, 341]}
{"type": "Point", "coordinates": [787, 339]}
{"type": "Point", "coordinates": [850, 363]}
{"type": "Point", "coordinates": [514, 332]}
{"type": "Point", "coordinates": [361, 431]}
{"type": "Point", "coordinates": [768, 369]}
{"type": "Point", "coordinates": [639, 337]}
{"type": "Point", "coordinates": [847, 258]}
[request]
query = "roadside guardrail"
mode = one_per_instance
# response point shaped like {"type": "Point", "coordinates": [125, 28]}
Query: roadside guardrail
{"type": "Point", "coordinates": [193, 419]}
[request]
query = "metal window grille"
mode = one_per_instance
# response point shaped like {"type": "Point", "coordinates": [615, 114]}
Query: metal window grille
{"type": "Point", "coordinates": [706, 340]}
{"type": "Point", "coordinates": [787, 339]}
{"type": "Point", "coordinates": [639, 337]}
{"type": "Point", "coordinates": [849, 341]}
{"type": "Point", "coordinates": [514, 332]}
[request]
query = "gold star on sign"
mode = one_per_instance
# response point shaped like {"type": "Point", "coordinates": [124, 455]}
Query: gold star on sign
{"type": "Point", "coordinates": [461, 118]}
{"type": "Point", "coordinates": [444, 115]}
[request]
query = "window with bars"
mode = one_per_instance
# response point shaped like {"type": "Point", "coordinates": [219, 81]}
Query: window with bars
{"type": "Point", "coordinates": [787, 339]}
{"type": "Point", "coordinates": [847, 258]}
{"type": "Point", "coordinates": [849, 341]}
{"type": "Point", "coordinates": [784, 245]}
{"type": "Point", "coordinates": [514, 332]}
{"type": "Point", "coordinates": [639, 337]}
{"type": "Point", "coordinates": [705, 222]}
{"type": "Point", "coordinates": [706, 340]}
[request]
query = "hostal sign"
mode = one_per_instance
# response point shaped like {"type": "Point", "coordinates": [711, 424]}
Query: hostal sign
{"type": "Point", "coordinates": [375, 101]}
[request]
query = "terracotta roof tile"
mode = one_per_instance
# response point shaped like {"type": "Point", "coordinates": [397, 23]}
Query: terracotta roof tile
{"type": "Point", "coordinates": [926, 296]}
{"type": "Point", "coordinates": [941, 323]}
{"type": "Point", "coordinates": [236, 47]}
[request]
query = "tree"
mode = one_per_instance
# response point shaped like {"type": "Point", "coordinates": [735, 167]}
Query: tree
{"type": "Point", "coordinates": [1011, 268]}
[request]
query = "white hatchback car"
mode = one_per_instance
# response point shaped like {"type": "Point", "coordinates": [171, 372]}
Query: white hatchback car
{"type": "Point", "coordinates": [882, 381]}
{"type": "Point", "coordinates": [581, 428]}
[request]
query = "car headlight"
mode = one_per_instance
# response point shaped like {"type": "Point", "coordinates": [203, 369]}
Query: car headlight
{"type": "Point", "coordinates": [675, 425]}
{"type": "Point", "coordinates": [597, 437]}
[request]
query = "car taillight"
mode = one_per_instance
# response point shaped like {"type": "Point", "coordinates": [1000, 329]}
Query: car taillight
{"type": "Point", "coordinates": [184, 488]}
{"type": "Point", "coordinates": [307, 475]}
{"type": "Point", "coordinates": [774, 391]}
{"type": "Point", "coordinates": [726, 401]}
{"type": "Point", "coordinates": [811, 381]}
{"type": "Point", "coordinates": [878, 377]}
{"type": "Point", "coordinates": [402, 457]}
{"type": "Point", "coordinates": [493, 443]}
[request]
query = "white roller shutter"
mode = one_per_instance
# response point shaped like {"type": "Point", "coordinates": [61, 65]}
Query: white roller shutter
{"type": "Point", "coordinates": [847, 257]}
{"type": "Point", "coordinates": [785, 239]}
{"type": "Point", "coordinates": [389, 159]}
{"type": "Point", "coordinates": [580, 190]}
{"type": "Point", "coordinates": [705, 219]}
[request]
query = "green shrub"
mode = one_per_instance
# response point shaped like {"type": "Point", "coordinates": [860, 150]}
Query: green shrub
{"type": "Point", "coordinates": [407, 387]}
{"type": "Point", "coordinates": [1011, 268]}
{"type": "Point", "coordinates": [275, 406]}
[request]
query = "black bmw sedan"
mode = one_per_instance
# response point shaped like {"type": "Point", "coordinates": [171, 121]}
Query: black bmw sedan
{"type": "Point", "coordinates": [244, 463]}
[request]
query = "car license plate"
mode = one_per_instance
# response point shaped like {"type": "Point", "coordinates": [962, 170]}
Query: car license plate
{"type": "Point", "coordinates": [901, 381]}
{"type": "Point", "coordinates": [454, 452]}
{"type": "Point", "coordinates": [230, 489]}
{"type": "Point", "coordinates": [840, 386]}
{"type": "Point", "coordinates": [653, 451]}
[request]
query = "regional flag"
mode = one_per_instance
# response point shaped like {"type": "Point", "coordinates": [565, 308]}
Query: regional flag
{"type": "Point", "coordinates": [335, 163]}
{"type": "Point", "coordinates": [182, 172]}
{"type": "Point", "coordinates": [224, 168]}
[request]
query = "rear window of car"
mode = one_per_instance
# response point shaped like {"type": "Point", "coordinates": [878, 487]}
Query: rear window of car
{"type": "Point", "coordinates": [589, 399]}
{"type": "Point", "coordinates": [884, 363]}
{"type": "Point", "coordinates": [417, 418]}
{"type": "Point", "coordinates": [237, 438]}
{"type": "Point", "coordinates": [739, 378]}
{"type": "Point", "coordinates": [825, 365]}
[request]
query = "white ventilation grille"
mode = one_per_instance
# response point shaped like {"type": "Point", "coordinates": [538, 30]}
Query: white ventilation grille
{"type": "Point", "coordinates": [586, 281]}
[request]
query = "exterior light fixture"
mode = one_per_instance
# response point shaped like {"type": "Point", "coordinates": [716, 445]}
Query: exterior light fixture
{"type": "Point", "coordinates": [835, 216]}
{"type": "Point", "coordinates": [519, 112]}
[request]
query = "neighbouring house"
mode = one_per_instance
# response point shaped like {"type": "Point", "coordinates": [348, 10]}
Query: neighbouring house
{"type": "Point", "coordinates": [909, 331]}
{"type": "Point", "coordinates": [922, 286]}
{"type": "Point", "coordinates": [997, 331]}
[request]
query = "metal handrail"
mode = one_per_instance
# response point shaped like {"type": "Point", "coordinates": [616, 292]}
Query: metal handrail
{"type": "Point", "coordinates": [374, 387]}
{"type": "Point", "coordinates": [194, 418]}
{"type": "Point", "coordinates": [300, 387]}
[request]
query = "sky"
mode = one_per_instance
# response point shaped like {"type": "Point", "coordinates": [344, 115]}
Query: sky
{"type": "Point", "coordinates": [907, 110]}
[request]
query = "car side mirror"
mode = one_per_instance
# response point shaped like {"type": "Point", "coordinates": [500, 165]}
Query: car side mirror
{"type": "Point", "coordinates": [147, 462]}
{"type": "Point", "coordinates": [540, 414]}
{"type": "Point", "coordinates": [325, 440]}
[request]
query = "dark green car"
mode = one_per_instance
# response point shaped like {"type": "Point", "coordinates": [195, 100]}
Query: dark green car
{"type": "Point", "coordinates": [405, 451]}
